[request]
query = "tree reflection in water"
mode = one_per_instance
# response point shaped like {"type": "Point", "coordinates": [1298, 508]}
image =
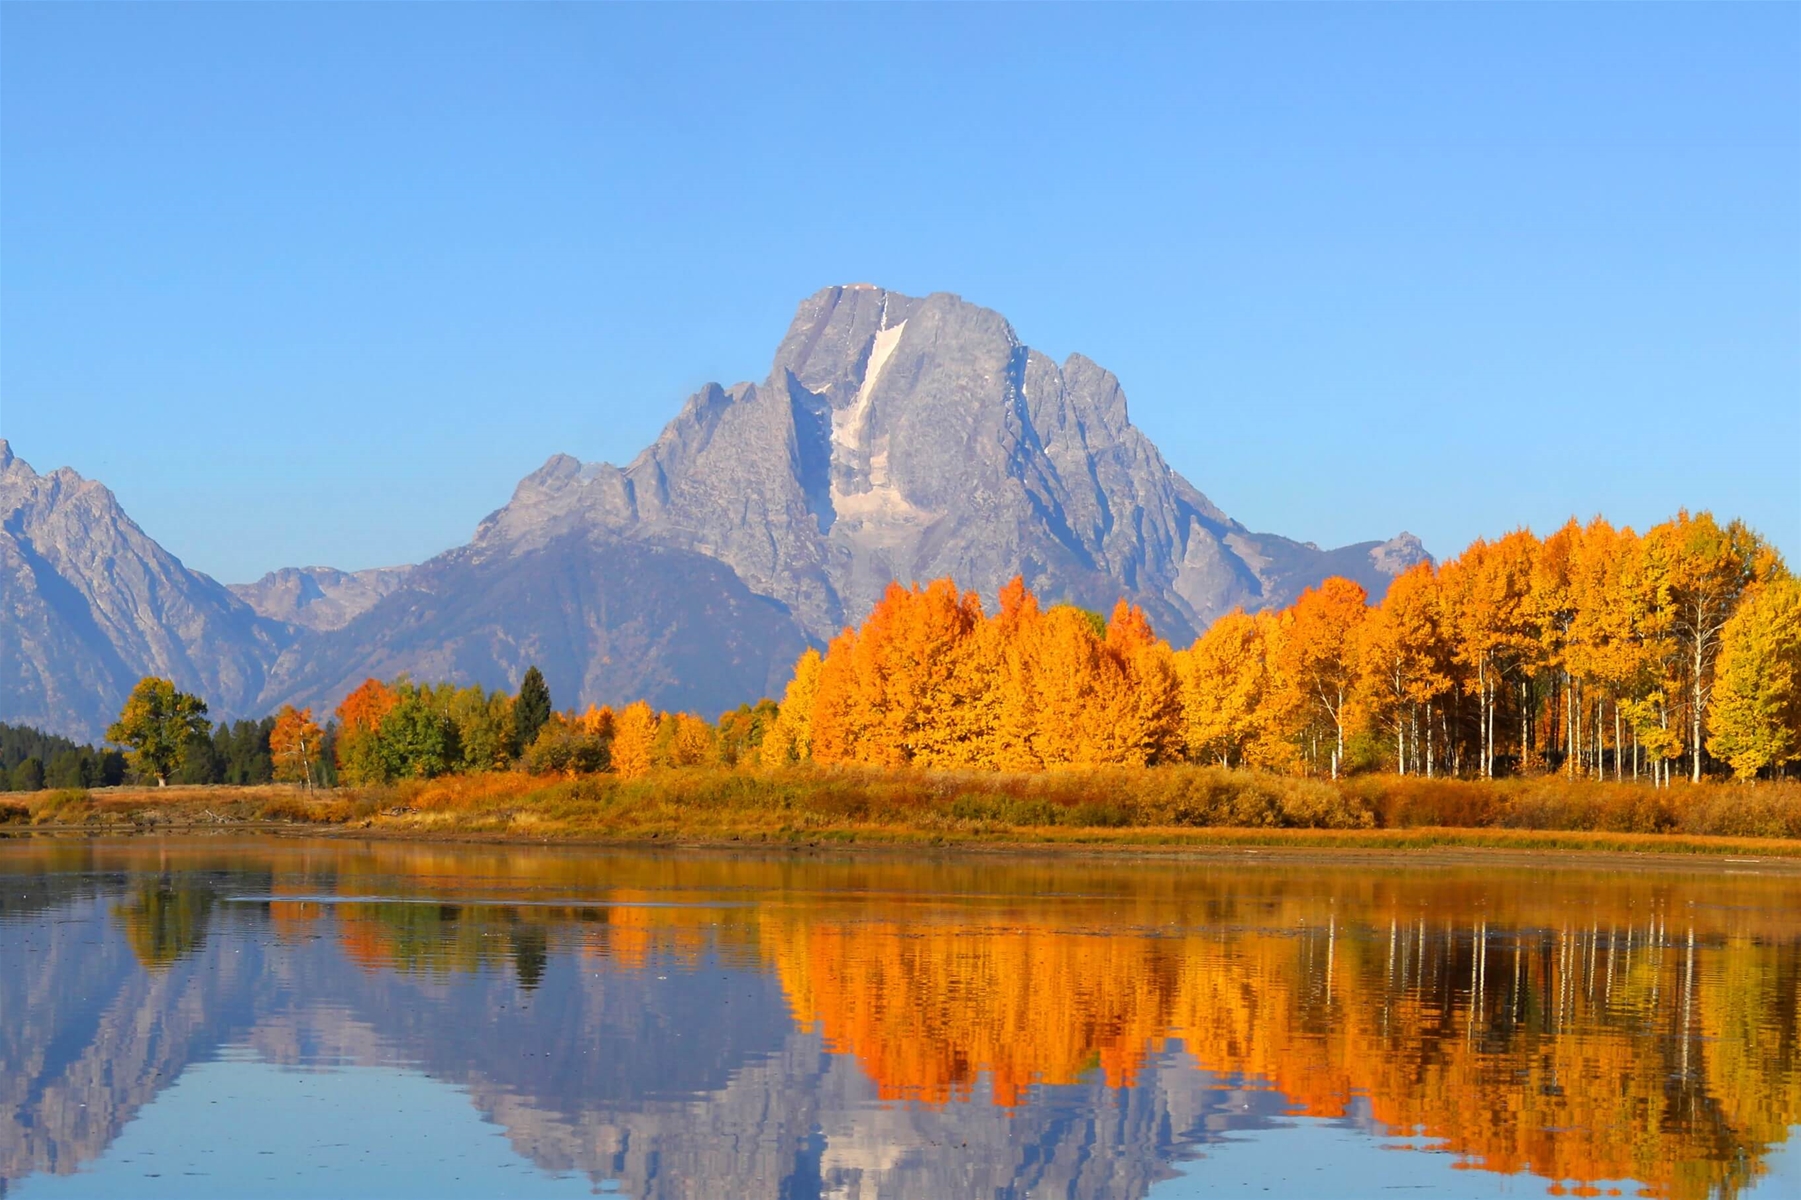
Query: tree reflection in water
{"type": "Point", "coordinates": [1582, 1025]}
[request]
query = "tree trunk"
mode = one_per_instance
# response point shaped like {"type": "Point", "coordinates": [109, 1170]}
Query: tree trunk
{"type": "Point", "coordinates": [1695, 698]}
{"type": "Point", "coordinates": [1338, 723]}
{"type": "Point", "coordinates": [1619, 745]}
{"type": "Point", "coordinates": [1600, 737]}
{"type": "Point", "coordinates": [1428, 739]}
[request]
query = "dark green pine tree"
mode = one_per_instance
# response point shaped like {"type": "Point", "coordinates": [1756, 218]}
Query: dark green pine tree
{"type": "Point", "coordinates": [28, 776]}
{"type": "Point", "coordinates": [532, 709]}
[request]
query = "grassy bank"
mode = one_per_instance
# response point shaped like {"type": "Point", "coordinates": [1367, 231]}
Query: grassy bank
{"type": "Point", "coordinates": [1180, 806]}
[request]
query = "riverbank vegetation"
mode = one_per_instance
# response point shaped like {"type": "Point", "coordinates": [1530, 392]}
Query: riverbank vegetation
{"type": "Point", "coordinates": [1593, 654]}
{"type": "Point", "coordinates": [1170, 806]}
{"type": "Point", "coordinates": [1552, 685]}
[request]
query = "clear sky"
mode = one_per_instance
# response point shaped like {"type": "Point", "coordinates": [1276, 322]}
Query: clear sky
{"type": "Point", "coordinates": [318, 284]}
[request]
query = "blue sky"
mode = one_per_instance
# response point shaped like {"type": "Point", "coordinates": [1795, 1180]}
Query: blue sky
{"type": "Point", "coordinates": [318, 284]}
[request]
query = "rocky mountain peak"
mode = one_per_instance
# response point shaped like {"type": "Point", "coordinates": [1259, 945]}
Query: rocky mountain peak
{"type": "Point", "coordinates": [1399, 554]}
{"type": "Point", "coordinates": [895, 438]}
{"type": "Point", "coordinates": [95, 603]}
{"type": "Point", "coordinates": [320, 598]}
{"type": "Point", "coordinates": [903, 437]}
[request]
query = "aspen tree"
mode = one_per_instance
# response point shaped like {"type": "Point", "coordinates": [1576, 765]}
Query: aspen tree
{"type": "Point", "coordinates": [1755, 720]}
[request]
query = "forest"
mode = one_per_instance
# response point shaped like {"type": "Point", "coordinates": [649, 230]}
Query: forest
{"type": "Point", "coordinates": [1595, 653]}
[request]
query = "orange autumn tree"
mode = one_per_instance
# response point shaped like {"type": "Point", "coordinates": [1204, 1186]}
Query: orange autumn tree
{"type": "Point", "coordinates": [359, 722]}
{"type": "Point", "coordinates": [929, 680]}
{"type": "Point", "coordinates": [790, 739]}
{"type": "Point", "coordinates": [296, 745]}
{"type": "Point", "coordinates": [905, 689]}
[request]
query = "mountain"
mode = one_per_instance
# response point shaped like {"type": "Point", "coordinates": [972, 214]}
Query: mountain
{"type": "Point", "coordinates": [319, 597]}
{"type": "Point", "coordinates": [894, 438]}
{"type": "Point", "coordinates": [89, 603]}
{"type": "Point", "coordinates": [903, 438]}
{"type": "Point", "coordinates": [608, 621]}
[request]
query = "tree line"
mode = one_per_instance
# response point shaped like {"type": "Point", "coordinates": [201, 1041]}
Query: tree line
{"type": "Point", "coordinates": [1595, 652]}
{"type": "Point", "coordinates": [31, 760]}
{"type": "Point", "coordinates": [167, 740]}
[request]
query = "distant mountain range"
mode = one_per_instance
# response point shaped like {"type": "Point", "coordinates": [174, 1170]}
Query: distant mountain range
{"type": "Point", "coordinates": [895, 438]}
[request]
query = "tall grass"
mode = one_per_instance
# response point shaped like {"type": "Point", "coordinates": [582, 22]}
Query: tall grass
{"type": "Point", "coordinates": [720, 804]}
{"type": "Point", "coordinates": [1552, 803]}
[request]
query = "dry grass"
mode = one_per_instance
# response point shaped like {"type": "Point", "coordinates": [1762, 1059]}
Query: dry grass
{"type": "Point", "coordinates": [183, 807]}
{"type": "Point", "coordinates": [1766, 810]}
{"type": "Point", "coordinates": [1170, 806]}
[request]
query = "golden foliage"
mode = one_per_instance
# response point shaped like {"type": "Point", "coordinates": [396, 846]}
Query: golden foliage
{"type": "Point", "coordinates": [1592, 651]}
{"type": "Point", "coordinates": [634, 733]}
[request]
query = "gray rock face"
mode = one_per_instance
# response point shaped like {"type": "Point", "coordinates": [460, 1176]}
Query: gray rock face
{"type": "Point", "coordinates": [89, 604]}
{"type": "Point", "coordinates": [319, 597]}
{"type": "Point", "coordinates": [894, 438]}
{"type": "Point", "coordinates": [903, 438]}
{"type": "Point", "coordinates": [607, 621]}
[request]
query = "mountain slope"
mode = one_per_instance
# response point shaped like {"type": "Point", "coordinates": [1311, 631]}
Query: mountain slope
{"type": "Point", "coordinates": [89, 603]}
{"type": "Point", "coordinates": [894, 438]}
{"type": "Point", "coordinates": [607, 621]}
{"type": "Point", "coordinates": [912, 438]}
{"type": "Point", "coordinates": [319, 597]}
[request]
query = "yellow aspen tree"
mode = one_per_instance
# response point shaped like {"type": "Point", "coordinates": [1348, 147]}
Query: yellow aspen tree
{"type": "Point", "coordinates": [1321, 654]}
{"type": "Point", "coordinates": [936, 697]}
{"type": "Point", "coordinates": [1755, 718]}
{"type": "Point", "coordinates": [1551, 597]}
{"type": "Point", "coordinates": [790, 739]}
{"type": "Point", "coordinates": [1400, 655]}
{"type": "Point", "coordinates": [693, 743]}
{"type": "Point", "coordinates": [838, 717]}
{"type": "Point", "coordinates": [1067, 670]}
{"type": "Point", "coordinates": [1706, 569]}
{"type": "Point", "coordinates": [1223, 679]}
{"type": "Point", "coordinates": [634, 732]}
{"type": "Point", "coordinates": [1280, 713]}
{"type": "Point", "coordinates": [1486, 590]}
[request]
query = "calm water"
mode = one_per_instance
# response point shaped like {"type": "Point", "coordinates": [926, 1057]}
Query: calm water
{"type": "Point", "coordinates": [210, 1018]}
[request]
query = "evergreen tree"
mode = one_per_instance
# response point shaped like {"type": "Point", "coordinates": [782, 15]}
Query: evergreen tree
{"type": "Point", "coordinates": [20, 742]}
{"type": "Point", "coordinates": [200, 763]}
{"type": "Point", "coordinates": [28, 776]}
{"type": "Point", "coordinates": [532, 708]}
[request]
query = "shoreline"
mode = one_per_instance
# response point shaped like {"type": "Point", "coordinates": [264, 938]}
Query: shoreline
{"type": "Point", "coordinates": [1417, 846]}
{"type": "Point", "coordinates": [1159, 813]}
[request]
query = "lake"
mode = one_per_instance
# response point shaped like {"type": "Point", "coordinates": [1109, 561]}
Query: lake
{"type": "Point", "coordinates": [223, 1017]}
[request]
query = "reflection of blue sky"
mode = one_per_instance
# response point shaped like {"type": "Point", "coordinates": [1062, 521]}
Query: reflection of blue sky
{"type": "Point", "coordinates": [240, 1127]}
{"type": "Point", "coordinates": [1310, 1158]}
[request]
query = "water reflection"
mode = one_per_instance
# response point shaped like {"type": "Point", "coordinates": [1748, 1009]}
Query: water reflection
{"type": "Point", "coordinates": [700, 1025]}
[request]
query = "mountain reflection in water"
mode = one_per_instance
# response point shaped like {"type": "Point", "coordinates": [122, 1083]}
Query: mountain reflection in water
{"type": "Point", "coordinates": [699, 1025]}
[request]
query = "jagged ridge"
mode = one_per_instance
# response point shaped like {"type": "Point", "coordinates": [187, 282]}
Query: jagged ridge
{"type": "Point", "coordinates": [894, 438]}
